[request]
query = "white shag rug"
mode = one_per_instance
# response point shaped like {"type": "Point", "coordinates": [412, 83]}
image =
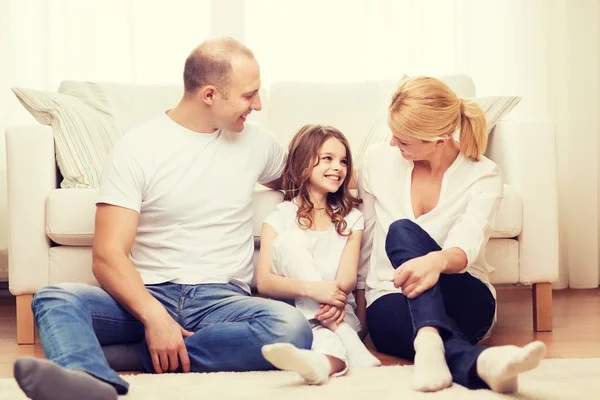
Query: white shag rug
{"type": "Point", "coordinates": [554, 379]}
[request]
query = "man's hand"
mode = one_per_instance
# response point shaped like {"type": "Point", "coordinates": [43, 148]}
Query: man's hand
{"type": "Point", "coordinates": [419, 274]}
{"type": "Point", "coordinates": [331, 316]}
{"type": "Point", "coordinates": [328, 292]}
{"type": "Point", "coordinates": [164, 337]}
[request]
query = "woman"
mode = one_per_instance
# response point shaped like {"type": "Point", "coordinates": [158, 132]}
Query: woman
{"type": "Point", "coordinates": [428, 203]}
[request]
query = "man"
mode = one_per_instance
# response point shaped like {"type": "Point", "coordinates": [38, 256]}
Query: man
{"type": "Point", "coordinates": [172, 246]}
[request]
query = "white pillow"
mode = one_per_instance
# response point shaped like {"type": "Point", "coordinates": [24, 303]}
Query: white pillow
{"type": "Point", "coordinates": [379, 130]}
{"type": "Point", "coordinates": [84, 131]}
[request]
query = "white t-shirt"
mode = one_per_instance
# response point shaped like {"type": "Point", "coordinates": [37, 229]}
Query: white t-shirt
{"type": "Point", "coordinates": [469, 198]}
{"type": "Point", "coordinates": [193, 192]}
{"type": "Point", "coordinates": [326, 246]}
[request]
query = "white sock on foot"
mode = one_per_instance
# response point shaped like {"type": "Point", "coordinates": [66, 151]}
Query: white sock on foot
{"type": "Point", "coordinates": [358, 354]}
{"type": "Point", "coordinates": [431, 370]}
{"type": "Point", "coordinates": [500, 366]}
{"type": "Point", "coordinates": [312, 366]}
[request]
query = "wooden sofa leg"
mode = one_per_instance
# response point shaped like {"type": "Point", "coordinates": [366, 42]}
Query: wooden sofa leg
{"type": "Point", "coordinates": [542, 307]}
{"type": "Point", "coordinates": [25, 323]}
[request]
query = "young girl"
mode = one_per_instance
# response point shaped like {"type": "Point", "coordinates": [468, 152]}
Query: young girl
{"type": "Point", "coordinates": [309, 253]}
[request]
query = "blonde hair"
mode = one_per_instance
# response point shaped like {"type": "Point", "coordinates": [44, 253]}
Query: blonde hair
{"type": "Point", "coordinates": [426, 108]}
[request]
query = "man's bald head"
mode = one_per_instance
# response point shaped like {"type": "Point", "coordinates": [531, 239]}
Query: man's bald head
{"type": "Point", "coordinates": [210, 64]}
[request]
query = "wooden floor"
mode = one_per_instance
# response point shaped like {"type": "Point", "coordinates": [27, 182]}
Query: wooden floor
{"type": "Point", "coordinates": [575, 334]}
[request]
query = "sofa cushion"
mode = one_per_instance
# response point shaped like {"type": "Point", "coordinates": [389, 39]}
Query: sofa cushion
{"type": "Point", "coordinates": [74, 264]}
{"type": "Point", "coordinates": [509, 218]}
{"type": "Point", "coordinates": [70, 214]}
{"type": "Point", "coordinates": [83, 127]}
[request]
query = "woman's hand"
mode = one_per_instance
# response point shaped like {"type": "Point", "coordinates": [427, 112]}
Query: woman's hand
{"type": "Point", "coordinates": [328, 292]}
{"type": "Point", "coordinates": [420, 274]}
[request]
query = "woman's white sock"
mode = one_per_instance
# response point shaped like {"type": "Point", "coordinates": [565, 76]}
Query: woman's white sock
{"type": "Point", "coordinates": [431, 370]}
{"type": "Point", "coordinates": [500, 366]}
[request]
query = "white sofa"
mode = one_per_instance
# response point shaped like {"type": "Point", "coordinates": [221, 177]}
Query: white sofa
{"type": "Point", "coordinates": [51, 229]}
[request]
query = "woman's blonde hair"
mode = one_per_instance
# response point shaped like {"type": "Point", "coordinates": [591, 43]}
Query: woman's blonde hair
{"type": "Point", "coordinates": [303, 156]}
{"type": "Point", "coordinates": [426, 108]}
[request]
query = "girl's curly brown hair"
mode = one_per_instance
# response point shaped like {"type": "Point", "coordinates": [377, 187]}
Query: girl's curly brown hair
{"type": "Point", "coordinates": [303, 156]}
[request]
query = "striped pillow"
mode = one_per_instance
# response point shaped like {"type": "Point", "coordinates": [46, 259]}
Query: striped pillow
{"type": "Point", "coordinates": [496, 107]}
{"type": "Point", "coordinates": [84, 131]}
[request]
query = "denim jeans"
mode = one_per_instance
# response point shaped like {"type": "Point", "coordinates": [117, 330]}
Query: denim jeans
{"type": "Point", "coordinates": [459, 305]}
{"type": "Point", "coordinates": [229, 326]}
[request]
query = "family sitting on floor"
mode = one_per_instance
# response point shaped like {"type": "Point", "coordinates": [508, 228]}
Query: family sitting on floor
{"type": "Point", "coordinates": [173, 248]}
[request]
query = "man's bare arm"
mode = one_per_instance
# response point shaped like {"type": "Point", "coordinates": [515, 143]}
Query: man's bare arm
{"type": "Point", "coordinates": [115, 232]}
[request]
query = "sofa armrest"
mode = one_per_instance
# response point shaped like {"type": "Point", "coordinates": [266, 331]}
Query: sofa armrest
{"type": "Point", "coordinates": [525, 151]}
{"type": "Point", "coordinates": [31, 176]}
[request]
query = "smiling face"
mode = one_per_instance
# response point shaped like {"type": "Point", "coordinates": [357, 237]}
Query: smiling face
{"type": "Point", "coordinates": [411, 148]}
{"type": "Point", "coordinates": [231, 109]}
{"type": "Point", "coordinates": [330, 172]}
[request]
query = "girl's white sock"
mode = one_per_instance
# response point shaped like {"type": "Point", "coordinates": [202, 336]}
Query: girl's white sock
{"type": "Point", "coordinates": [358, 354]}
{"type": "Point", "coordinates": [312, 366]}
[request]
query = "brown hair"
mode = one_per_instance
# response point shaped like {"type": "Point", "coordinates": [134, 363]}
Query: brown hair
{"type": "Point", "coordinates": [302, 158]}
{"type": "Point", "coordinates": [210, 64]}
{"type": "Point", "coordinates": [426, 108]}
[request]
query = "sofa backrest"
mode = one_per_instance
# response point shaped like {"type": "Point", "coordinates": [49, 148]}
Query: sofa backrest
{"type": "Point", "coordinates": [353, 108]}
{"type": "Point", "coordinates": [350, 107]}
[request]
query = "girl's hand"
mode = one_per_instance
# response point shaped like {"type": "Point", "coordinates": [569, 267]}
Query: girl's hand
{"type": "Point", "coordinates": [328, 292]}
{"type": "Point", "coordinates": [419, 274]}
{"type": "Point", "coordinates": [330, 316]}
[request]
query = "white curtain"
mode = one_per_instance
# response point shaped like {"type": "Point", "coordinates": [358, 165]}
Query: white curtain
{"type": "Point", "coordinates": [341, 40]}
{"type": "Point", "coordinates": [48, 41]}
{"type": "Point", "coordinates": [546, 51]}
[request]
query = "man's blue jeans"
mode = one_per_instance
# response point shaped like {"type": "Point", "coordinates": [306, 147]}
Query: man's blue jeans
{"type": "Point", "coordinates": [75, 320]}
{"type": "Point", "coordinates": [459, 305]}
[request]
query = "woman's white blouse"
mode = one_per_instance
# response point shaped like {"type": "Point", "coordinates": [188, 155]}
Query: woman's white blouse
{"type": "Point", "coordinates": [469, 198]}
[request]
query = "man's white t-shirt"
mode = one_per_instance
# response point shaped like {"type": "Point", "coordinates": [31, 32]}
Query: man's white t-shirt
{"type": "Point", "coordinates": [193, 192]}
{"type": "Point", "coordinates": [469, 199]}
